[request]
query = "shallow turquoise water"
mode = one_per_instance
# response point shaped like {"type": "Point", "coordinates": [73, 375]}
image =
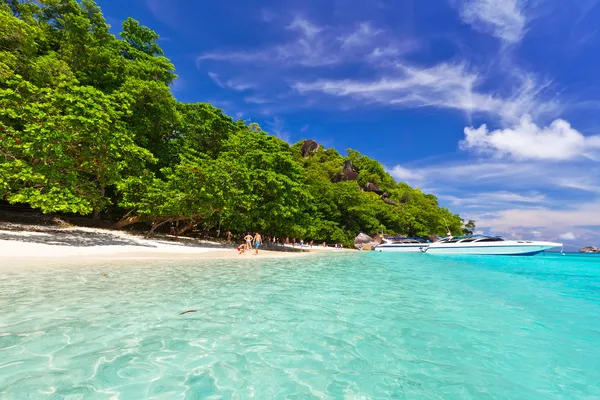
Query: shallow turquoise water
{"type": "Point", "coordinates": [352, 326]}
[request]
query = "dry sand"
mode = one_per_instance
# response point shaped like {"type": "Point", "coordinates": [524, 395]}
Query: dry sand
{"type": "Point", "coordinates": [36, 243]}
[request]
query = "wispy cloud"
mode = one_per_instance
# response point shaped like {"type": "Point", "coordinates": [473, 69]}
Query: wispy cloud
{"type": "Point", "coordinates": [444, 86]}
{"type": "Point", "coordinates": [310, 45]}
{"type": "Point", "coordinates": [256, 100]}
{"type": "Point", "coordinates": [581, 215]}
{"type": "Point", "coordinates": [165, 12]}
{"type": "Point", "coordinates": [178, 85]}
{"type": "Point", "coordinates": [231, 83]}
{"type": "Point", "coordinates": [504, 19]}
{"type": "Point", "coordinates": [509, 175]}
{"type": "Point", "coordinates": [361, 36]}
{"type": "Point", "coordinates": [307, 28]}
{"type": "Point", "coordinates": [215, 78]}
{"type": "Point", "coordinates": [276, 127]}
{"type": "Point", "coordinates": [515, 198]}
{"type": "Point", "coordinates": [494, 199]}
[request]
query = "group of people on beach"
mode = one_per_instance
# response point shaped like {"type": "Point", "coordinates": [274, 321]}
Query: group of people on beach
{"type": "Point", "coordinates": [249, 241]}
{"type": "Point", "coordinates": [257, 241]}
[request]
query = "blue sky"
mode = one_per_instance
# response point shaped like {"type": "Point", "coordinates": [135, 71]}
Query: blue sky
{"type": "Point", "coordinates": [491, 105]}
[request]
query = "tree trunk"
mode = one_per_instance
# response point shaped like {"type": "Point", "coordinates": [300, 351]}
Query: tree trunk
{"type": "Point", "coordinates": [186, 227]}
{"type": "Point", "coordinates": [125, 221]}
{"type": "Point", "coordinates": [96, 215]}
{"type": "Point", "coordinates": [156, 224]}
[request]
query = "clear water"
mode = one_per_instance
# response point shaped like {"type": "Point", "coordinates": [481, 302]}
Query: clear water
{"type": "Point", "coordinates": [356, 326]}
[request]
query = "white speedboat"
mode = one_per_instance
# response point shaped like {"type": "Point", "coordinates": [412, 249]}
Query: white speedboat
{"type": "Point", "coordinates": [489, 245]}
{"type": "Point", "coordinates": [402, 245]}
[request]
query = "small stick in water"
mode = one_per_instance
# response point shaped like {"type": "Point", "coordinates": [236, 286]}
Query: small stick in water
{"type": "Point", "coordinates": [188, 311]}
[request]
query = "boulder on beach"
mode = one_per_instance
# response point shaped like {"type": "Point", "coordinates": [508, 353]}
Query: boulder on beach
{"type": "Point", "coordinates": [589, 249]}
{"type": "Point", "coordinates": [365, 242]}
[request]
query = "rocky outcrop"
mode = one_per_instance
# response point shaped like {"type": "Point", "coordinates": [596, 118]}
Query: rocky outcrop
{"type": "Point", "coordinates": [390, 202]}
{"type": "Point", "coordinates": [309, 146]}
{"type": "Point", "coordinates": [365, 242]}
{"type": "Point", "coordinates": [347, 173]}
{"type": "Point", "coordinates": [372, 187]}
{"type": "Point", "coordinates": [589, 249]}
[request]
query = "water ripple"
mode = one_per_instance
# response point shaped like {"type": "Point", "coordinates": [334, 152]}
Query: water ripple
{"type": "Point", "coordinates": [370, 326]}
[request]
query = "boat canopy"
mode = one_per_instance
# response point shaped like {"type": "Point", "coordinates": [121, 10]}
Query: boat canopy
{"type": "Point", "coordinates": [404, 239]}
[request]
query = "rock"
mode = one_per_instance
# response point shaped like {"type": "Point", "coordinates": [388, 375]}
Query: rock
{"type": "Point", "coordinates": [589, 249]}
{"type": "Point", "coordinates": [347, 174]}
{"type": "Point", "coordinates": [365, 241]}
{"type": "Point", "coordinates": [390, 202]}
{"type": "Point", "coordinates": [372, 187]}
{"type": "Point", "coordinates": [309, 146]}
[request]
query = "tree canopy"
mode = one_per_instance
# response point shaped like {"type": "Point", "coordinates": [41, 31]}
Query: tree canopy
{"type": "Point", "coordinates": [88, 125]}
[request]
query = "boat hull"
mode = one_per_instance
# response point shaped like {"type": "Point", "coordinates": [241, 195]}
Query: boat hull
{"type": "Point", "coordinates": [518, 249]}
{"type": "Point", "coordinates": [401, 248]}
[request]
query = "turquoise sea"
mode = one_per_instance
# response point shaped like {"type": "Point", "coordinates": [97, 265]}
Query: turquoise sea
{"type": "Point", "coordinates": [358, 325]}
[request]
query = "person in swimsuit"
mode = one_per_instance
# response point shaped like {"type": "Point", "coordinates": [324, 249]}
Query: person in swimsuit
{"type": "Point", "coordinates": [248, 239]}
{"type": "Point", "coordinates": [257, 241]}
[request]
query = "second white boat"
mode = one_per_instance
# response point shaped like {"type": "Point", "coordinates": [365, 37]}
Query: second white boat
{"type": "Point", "coordinates": [404, 245]}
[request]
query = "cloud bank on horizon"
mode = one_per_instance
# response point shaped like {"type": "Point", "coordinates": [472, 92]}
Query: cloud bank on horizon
{"type": "Point", "coordinates": [489, 104]}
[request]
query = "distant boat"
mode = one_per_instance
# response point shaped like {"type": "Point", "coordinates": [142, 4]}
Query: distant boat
{"type": "Point", "coordinates": [402, 245]}
{"type": "Point", "coordinates": [488, 245]}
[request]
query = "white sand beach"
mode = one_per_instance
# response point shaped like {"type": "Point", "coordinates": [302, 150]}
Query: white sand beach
{"type": "Point", "coordinates": [35, 243]}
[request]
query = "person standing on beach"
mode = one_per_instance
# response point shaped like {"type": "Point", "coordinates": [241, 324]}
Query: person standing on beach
{"type": "Point", "coordinates": [257, 242]}
{"type": "Point", "coordinates": [248, 239]}
{"type": "Point", "coordinates": [229, 236]}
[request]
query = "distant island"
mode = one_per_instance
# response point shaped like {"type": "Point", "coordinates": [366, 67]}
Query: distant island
{"type": "Point", "coordinates": [89, 127]}
{"type": "Point", "coordinates": [589, 249]}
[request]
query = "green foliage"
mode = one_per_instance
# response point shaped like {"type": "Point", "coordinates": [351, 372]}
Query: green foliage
{"type": "Point", "coordinates": [469, 227]}
{"type": "Point", "coordinates": [88, 122]}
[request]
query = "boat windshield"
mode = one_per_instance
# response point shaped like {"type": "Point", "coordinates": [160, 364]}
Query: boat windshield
{"type": "Point", "coordinates": [469, 239]}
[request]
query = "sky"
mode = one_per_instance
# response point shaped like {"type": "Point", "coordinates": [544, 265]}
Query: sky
{"type": "Point", "coordinates": [491, 105]}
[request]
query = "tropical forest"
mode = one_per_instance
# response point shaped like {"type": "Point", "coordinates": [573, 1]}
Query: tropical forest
{"type": "Point", "coordinates": [89, 126]}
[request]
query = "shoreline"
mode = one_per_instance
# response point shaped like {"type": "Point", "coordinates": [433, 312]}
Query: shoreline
{"type": "Point", "coordinates": [32, 244]}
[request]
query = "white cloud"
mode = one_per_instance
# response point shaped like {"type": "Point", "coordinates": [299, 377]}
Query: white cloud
{"type": "Point", "coordinates": [504, 19]}
{"type": "Point", "coordinates": [567, 236]}
{"type": "Point", "coordinates": [402, 174]}
{"type": "Point", "coordinates": [527, 141]}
